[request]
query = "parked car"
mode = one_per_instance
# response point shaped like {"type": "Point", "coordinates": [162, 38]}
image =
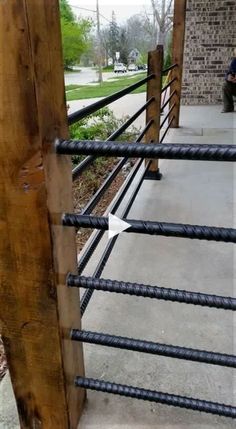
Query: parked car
{"type": "Point", "coordinates": [120, 68]}
{"type": "Point", "coordinates": [142, 67]}
{"type": "Point", "coordinates": [132, 67]}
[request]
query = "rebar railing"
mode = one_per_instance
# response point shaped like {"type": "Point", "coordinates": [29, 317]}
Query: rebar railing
{"type": "Point", "coordinates": [192, 152]}
{"type": "Point", "coordinates": [171, 81]}
{"type": "Point", "coordinates": [90, 159]}
{"type": "Point", "coordinates": [149, 151]}
{"type": "Point", "coordinates": [158, 397]}
{"type": "Point", "coordinates": [38, 253]}
{"type": "Point", "coordinates": [86, 111]}
{"type": "Point", "coordinates": [200, 232]}
{"type": "Point", "coordinates": [110, 246]}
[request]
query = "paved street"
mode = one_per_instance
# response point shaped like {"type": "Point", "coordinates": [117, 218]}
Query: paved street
{"type": "Point", "coordinates": [89, 75]}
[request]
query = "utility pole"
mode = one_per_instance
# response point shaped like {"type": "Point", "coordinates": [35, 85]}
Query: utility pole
{"type": "Point", "coordinates": [99, 45]}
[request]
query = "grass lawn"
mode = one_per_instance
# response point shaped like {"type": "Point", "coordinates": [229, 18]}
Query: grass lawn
{"type": "Point", "coordinates": [105, 88]}
{"type": "Point", "coordinates": [108, 69]}
{"type": "Point", "coordinates": [72, 86]}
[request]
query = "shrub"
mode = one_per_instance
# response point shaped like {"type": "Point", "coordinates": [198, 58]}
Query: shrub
{"type": "Point", "coordinates": [99, 126]}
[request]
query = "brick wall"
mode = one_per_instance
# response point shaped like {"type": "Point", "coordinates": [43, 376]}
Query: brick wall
{"type": "Point", "coordinates": [209, 42]}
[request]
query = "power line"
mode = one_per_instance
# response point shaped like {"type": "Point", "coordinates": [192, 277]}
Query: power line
{"type": "Point", "coordinates": [90, 10]}
{"type": "Point", "coordinates": [83, 8]}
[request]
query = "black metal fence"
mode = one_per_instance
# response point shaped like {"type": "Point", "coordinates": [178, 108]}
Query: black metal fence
{"type": "Point", "coordinates": [112, 147]}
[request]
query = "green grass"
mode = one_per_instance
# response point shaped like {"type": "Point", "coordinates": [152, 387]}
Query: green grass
{"type": "Point", "coordinates": [105, 88]}
{"type": "Point", "coordinates": [107, 69]}
{"type": "Point", "coordinates": [72, 86]}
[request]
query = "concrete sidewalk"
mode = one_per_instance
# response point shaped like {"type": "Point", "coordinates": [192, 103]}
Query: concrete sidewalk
{"type": "Point", "coordinates": [127, 105]}
{"type": "Point", "coordinates": [190, 192]}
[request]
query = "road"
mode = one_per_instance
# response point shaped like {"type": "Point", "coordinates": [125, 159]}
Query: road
{"type": "Point", "coordinates": [88, 75]}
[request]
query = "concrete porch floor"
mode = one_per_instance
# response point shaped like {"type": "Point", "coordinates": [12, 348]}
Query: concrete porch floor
{"type": "Point", "coordinates": [190, 192]}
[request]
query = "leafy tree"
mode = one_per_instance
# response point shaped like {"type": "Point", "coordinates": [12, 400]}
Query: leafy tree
{"type": "Point", "coordinates": [138, 35]}
{"type": "Point", "coordinates": [105, 40]}
{"type": "Point", "coordinates": [124, 46]}
{"type": "Point", "coordinates": [168, 51]}
{"type": "Point", "coordinates": [114, 37]}
{"type": "Point", "coordinates": [66, 11]}
{"type": "Point", "coordinates": [75, 35]}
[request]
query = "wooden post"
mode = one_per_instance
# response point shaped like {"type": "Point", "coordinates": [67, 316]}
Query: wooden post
{"type": "Point", "coordinates": [178, 57]}
{"type": "Point", "coordinates": [154, 87]}
{"type": "Point", "coordinates": [37, 310]}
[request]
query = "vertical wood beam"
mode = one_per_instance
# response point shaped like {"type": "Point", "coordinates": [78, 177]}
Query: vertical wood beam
{"type": "Point", "coordinates": [178, 57]}
{"type": "Point", "coordinates": [154, 87]}
{"type": "Point", "coordinates": [37, 310]}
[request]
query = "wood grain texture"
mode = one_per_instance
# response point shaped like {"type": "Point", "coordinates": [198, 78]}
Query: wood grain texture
{"type": "Point", "coordinates": [154, 86]}
{"type": "Point", "coordinates": [178, 57]}
{"type": "Point", "coordinates": [36, 308]}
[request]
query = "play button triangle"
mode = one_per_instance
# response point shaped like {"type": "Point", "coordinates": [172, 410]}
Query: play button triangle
{"type": "Point", "coordinates": [116, 225]}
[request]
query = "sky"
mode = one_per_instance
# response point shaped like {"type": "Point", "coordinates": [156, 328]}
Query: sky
{"type": "Point", "coordinates": [122, 8]}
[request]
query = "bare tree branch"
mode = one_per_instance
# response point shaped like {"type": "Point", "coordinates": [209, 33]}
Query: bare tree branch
{"type": "Point", "coordinates": [169, 7]}
{"type": "Point", "coordinates": [156, 13]}
{"type": "Point", "coordinates": [161, 13]}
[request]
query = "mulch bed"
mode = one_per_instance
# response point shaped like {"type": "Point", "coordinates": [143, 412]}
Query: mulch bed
{"type": "Point", "coordinates": [83, 190]}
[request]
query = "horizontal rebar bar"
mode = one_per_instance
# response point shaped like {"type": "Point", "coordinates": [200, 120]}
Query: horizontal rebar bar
{"type": "Point", "coordinates": [155, 292]}
{"type": "Point", "coordinates": [194, 232]}
{"type": "Point", "coordinates": [167, 129]}
{"type": "Point", "coordinates": [195, 152]}
{"type": "Point", "coordinates": [130, 121]}
{"type": "Point", "coordinates": [168, 84]}
{"type": "Point", "coordinates": [169, 68]}
{"type": "Point", "coordinates": [154, 396]}
{"type": "Point", "coordinates": [151, 347]}
{"type": "Point", "coordinates": [168, 100]}
{"type": "Point", "coordinates": [167, 116]}
{"type": "Point", "coordinates": [83, 165]}
{"type": "Point", "coordinates": [110, 245]}
{"type": "Point", "coordinates": [86, 111]}
{"type": "Point", "coordinates": [144, 131]}
{"type": "Point", "coordinates": [103, 188]}
{"type": "Point", "coordinates": [113, 208]}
